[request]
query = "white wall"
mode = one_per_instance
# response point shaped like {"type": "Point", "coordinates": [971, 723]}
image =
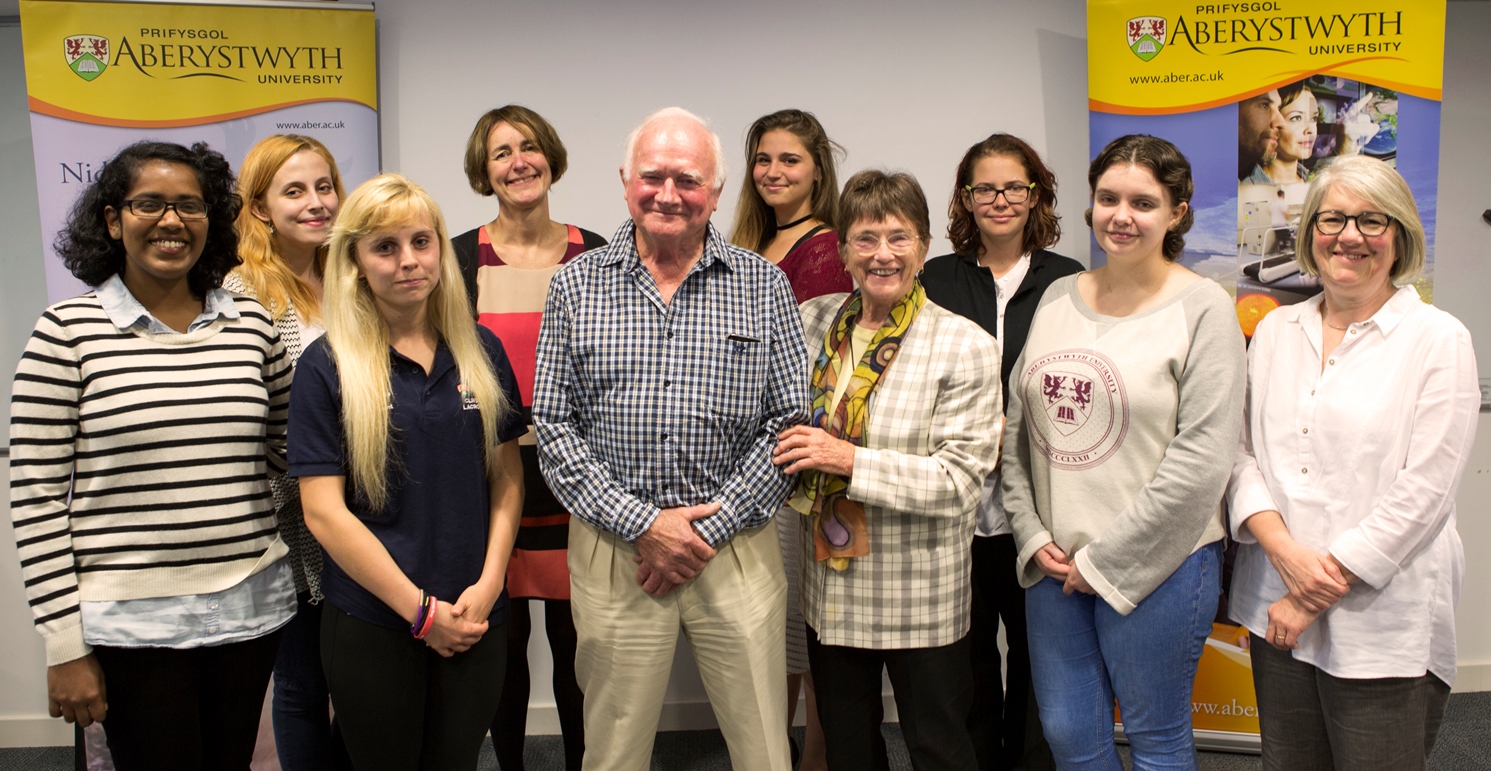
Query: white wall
{"type": "Point", "coordinates": [903, 85]}
{"type": "Point", "coordinates": [1462, 279]}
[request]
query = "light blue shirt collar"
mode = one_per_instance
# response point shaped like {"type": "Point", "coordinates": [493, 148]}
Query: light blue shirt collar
{"type": "Point", "coordinates": [125, 311]}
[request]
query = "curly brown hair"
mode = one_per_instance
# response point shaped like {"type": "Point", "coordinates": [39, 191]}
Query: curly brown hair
{"type": "Point", "coordinates": [1042, 229]}
{"type": "Point", "coordinates": [92, 255]}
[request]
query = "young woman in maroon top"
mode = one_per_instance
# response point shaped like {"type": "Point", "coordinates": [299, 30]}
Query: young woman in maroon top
{"type": "Point", "coordinates": [786, 214]}
{"type": "Point", "coordinates": [786, 207]}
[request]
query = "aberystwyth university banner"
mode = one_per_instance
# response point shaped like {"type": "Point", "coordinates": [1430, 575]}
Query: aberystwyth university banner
{"type": "Point", "coordinates": [101, 75]}
{"type": "Point", "coordinates": [1260, 96]}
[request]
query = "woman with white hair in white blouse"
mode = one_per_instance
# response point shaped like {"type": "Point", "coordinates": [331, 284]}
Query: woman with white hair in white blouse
{"type": "Point", "coordinates": [1361, 412]}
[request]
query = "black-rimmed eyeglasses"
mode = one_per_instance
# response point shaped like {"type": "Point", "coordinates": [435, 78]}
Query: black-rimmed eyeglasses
{"type": "Point", "coordinates": [1368, 223]}
{"type": "Point", "coordinates": [154, 208]}
{"type": "Point", "coordinates": [986, 194]}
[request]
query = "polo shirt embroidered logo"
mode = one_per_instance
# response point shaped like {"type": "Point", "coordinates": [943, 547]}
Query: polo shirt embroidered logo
{"type": "Point", "coordinates": [1084, 411]}
{"type": "Point", "coordinates": [468, 398]}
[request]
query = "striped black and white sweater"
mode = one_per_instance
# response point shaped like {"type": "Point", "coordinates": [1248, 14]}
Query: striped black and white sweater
{"type": "Point", "coordinates": [140, 462]}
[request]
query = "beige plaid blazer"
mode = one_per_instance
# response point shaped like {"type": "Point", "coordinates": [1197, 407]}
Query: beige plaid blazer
{"type": "Point", "coordinates": [932, 438]}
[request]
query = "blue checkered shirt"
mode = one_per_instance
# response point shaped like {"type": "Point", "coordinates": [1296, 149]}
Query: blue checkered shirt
{"type": "Point", "coordinates": [642, 406]}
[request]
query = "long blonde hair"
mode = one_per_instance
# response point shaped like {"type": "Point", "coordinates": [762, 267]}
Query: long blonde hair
{"type": "Point", "coordinates": [264, 270]}
{"type": "Point", "coordinates": [358, 334]}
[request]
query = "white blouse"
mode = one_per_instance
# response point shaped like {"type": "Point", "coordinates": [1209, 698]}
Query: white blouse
{"type": "Point", "coordinates": [1362, 458]}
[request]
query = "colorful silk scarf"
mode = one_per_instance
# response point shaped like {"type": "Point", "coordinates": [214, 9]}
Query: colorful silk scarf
{"type": "Point", "coordinates": [839, 527]}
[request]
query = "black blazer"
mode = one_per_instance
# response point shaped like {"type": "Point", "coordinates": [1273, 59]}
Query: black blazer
{"type": "Point", "coordinates": [465, 246]}
{"type": "Point", "coordinates": [958, 283]}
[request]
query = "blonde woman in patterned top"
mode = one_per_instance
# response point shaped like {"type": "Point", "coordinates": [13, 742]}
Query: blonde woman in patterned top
{"type": "Point", "coordinates": [291, 190]}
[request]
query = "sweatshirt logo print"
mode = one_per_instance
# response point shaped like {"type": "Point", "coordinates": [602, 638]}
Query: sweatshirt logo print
{"type": "Point", "coordinates": [1079, 410]}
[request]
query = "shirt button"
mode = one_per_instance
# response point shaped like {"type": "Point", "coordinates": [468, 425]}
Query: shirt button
{"type": "Point", "coordinates": [1304, 471]}
{"type": "Point", "coordinates": [212, 606]}
{"type": "Point", "coordinates": [1353, 330]}
{"type": "Point", "coordinates": [670, 335]}
{"type": "Point", "coordinates": [665, 437]}
{"type": "Point", "coordinates": [1305, 431]}
{"type": "Point", "coordinates": [667, 383]}
{"type": "Point", "coordinates": [1312, 392]}
{"type": "Point", "coordinates": [1332, 362]}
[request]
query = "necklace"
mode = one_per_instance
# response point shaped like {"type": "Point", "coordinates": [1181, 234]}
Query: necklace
{"type": "Point", "coordinates": [794, 223]}
{"type": "Point", "coordinates": [1325, 317]}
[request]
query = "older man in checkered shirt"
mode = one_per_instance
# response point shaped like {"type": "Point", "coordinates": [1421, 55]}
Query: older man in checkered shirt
{"type": "Point", "coordinates": [667, 364]}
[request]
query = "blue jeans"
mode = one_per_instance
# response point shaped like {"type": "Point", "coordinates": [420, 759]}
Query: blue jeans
{"type": "Point", "coordinates": [1083, 654]}
{"type": "Point", "coordinates": [304, 736]}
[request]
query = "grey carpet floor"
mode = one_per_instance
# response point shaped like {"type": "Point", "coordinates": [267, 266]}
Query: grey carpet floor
{"type": "Point", "coordinates": [1464, 745]}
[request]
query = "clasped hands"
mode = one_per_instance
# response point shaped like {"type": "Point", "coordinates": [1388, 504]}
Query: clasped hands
{"type": "Point", "coordinates": [1315, 581]}
{"type": "Point", "coordinates": [1055, 563]}
{"type": "Point", "coordinates": [671, 552]}
{"type": "Point", "coordinates": [461, 624]}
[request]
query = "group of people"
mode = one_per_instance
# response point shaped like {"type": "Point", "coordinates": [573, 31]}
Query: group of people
{"type": "Point", "coordinates": [817, 453]}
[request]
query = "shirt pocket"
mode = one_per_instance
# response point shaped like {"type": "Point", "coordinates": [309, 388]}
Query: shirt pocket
{"type": "Point", "coordinates": [737, 382]}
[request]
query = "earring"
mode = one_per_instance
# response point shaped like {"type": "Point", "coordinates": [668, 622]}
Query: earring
{"type": "Point", "coordinates": [271, 228]}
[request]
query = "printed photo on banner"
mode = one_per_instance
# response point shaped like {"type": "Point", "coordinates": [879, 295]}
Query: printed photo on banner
{"type": "Point", "coordinates": [1284, 136]}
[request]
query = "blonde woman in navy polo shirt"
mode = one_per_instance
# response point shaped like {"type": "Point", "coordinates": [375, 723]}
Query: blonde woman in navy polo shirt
{"type": "Point", "coordinates": [406, 446]}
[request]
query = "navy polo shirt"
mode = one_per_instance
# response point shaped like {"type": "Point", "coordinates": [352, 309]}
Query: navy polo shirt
{"type": "Point", "coordinates": [436, 521]}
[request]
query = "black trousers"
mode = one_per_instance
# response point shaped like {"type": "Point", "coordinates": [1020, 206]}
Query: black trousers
{"type": "Point", "coordinates": [186, 710]}
{"type": "Point", "coordinates": [403, 706]}
{"type": "Point", "coordinates": [511, 724]}
{"type": "Point", "coordinates": [1313, 720]}
{"type": "Point", "coordinates": [933, 690]}
{"type": "Point", "coordinates": [1004, 724]}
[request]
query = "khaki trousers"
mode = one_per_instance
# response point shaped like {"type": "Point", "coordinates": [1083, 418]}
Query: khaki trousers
{"type": "Point", "coordinates": [733, 614]}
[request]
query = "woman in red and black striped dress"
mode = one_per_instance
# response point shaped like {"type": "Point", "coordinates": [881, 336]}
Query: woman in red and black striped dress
{"type": "Point", "coordinates": [514, 155]}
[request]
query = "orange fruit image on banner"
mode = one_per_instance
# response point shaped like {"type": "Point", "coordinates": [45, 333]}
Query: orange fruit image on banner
{"type": "Point", "coordinates": [1251, 308]}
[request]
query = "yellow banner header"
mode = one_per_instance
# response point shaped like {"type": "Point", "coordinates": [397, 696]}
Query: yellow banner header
{"type": "Point", "coordinates": [1165, 56]}
{"type": "Point", "coordinates": [159, 65]}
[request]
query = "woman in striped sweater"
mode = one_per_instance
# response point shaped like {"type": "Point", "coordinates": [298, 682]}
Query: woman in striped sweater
{"type": "Point", "coordinates": [145, 419]}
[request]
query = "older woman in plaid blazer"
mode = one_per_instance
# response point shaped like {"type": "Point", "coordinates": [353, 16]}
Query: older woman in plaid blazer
{"type": "Point", "coordinates": [904, 430]}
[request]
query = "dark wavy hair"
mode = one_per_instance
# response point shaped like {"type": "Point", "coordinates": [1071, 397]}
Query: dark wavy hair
{"type": "Point", "coordinates": [93, 255]}
{"type": "Point", "coordinates": [1042, 228]}
{"type": "Point", "coordinates": [1165, 161]}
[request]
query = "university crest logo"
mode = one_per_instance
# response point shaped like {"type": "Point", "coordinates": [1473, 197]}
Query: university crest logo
{"type": "Point", "coordinates": [1077, 407]}
{"type": "Point", "coordinates": [1068, 400]}
{"type": "Point", "coordinates": [1146, 36]}
{"type": "Point", "coordinates": [87, 55]}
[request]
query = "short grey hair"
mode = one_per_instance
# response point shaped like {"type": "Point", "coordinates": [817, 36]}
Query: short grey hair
{"type": "Point", "coordinates": [718, 183]}
{"type": "Point", "coordinates": [1385, 189]}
